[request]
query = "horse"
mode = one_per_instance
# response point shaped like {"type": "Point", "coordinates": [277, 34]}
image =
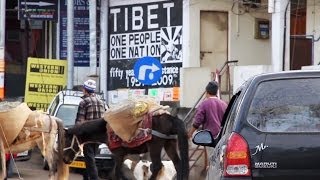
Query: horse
{"type": "Point", "coordinates": [166, 127]}
{"type": "Point", "coordinates": [50, 149]}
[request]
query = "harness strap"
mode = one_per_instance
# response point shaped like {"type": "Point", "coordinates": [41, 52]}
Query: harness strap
{"type": "Point", "coordinates": [163, 136]}
{"type": "Point", "coordinates": [37, 129]}
{"type": "Point", "coordinates": [74, 139]}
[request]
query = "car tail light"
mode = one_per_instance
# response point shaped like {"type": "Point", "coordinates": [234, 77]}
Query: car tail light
{"type": "Point", "coordinates": [237, 157]}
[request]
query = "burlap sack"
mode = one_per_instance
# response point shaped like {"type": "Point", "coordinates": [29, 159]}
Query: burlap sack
{"type": "Point", "coordinates": [12, 121]}
{"type": "Point", "coordinates": [23, 146]}
{"type": "Point", "coordinates": [38, 128]}
{"type": "Point", "coordinates": [124, 119]}
{"type": "Point", "coordinates": [32, 129]}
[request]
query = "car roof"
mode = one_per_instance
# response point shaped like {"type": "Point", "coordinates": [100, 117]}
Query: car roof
{"type": "Point", "coordinates": [278, 75]}
{"type": "Point", "coordinates": [70, 97]}
{"type": "Point", "coordinates": [287, 74]}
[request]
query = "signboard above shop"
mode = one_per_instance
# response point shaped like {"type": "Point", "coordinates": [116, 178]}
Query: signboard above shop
{"type": "Point", "coordinates": [38, 10]}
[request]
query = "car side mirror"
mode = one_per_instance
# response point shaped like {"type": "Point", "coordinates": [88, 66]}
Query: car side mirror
{"type": "Point", "coordinates": [203, 138]}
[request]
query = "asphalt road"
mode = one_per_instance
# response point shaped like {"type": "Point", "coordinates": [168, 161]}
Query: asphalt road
{"type": "Point", "coordinates": [32, 169]}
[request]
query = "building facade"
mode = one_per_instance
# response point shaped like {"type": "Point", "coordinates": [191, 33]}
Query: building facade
{"type": "Point", "coordinates": [192, 39]}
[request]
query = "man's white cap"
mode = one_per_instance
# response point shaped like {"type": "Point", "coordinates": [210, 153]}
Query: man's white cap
{"type": "Point", "coordinates": [90, 85]}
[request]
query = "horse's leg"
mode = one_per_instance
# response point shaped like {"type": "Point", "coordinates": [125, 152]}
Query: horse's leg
{"type": "Point", "coordinates": [47, 150]}
{"type": "Point", "coordinates": [62, 168]}
{"type": "Point", "coordinates": [155, 147]}
{"type": "Point", "coordinates": [50, 159]}
{"type": "Point", "coordinates": [119, 155]}
{"type": "Point", "coordinates": [171, 150]}
{"type": "Point", "coordinates": [3, 161]}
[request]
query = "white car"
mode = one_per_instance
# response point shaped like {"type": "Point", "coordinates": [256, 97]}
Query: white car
{"type": "Point", "coordinates": [65, 106]}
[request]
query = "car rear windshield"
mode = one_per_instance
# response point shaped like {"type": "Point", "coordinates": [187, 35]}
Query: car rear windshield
{"type": "Point", "coordinates": [67, 113]}
{"type": "Point", "coordinates": [286, 106]}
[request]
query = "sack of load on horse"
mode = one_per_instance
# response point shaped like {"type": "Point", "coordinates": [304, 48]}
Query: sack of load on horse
{"type": "Point", "coordinates": [22, 129]}
{"type": "Point", "coordinates": [134, 126]}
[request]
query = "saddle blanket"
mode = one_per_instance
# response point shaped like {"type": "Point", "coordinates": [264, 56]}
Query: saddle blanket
{"type": "Point", "coordinates": [143, 135]}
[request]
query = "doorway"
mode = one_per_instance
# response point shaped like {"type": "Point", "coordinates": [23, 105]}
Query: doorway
{"type": "Point", "coordinates": [214, 42]}
{"type": "Point", "coordinates": [23, 39]}
{"type": "Point", "coordinates": [213, 39]}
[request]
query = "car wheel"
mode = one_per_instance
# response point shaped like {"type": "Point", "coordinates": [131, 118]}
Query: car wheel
{"type": "Point", "coordinates": [104, 174]}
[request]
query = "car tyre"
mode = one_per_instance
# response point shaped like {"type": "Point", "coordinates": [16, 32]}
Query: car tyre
{"type": "Point", "coordinates": [104, 174]}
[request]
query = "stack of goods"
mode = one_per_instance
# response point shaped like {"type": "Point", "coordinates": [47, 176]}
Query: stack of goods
{"type": "Point", "coordinates": [124, 119]}
{"type": "Point", "coordinates": [20, 127]}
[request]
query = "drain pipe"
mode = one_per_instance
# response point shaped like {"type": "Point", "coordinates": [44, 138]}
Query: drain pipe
{"type": "Point", "coordinates": [285, 38]}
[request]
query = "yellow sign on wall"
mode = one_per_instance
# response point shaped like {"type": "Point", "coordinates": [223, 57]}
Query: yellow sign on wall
{"type": "Point", "coordinates": [45, 78]}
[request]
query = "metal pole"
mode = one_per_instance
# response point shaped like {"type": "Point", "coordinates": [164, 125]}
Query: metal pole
{"type": "Point", "coordinates": [46, 50]}
{"type": "Point", "coordinates": [58, 33]}
{"type": "Point", "coordinates": [50, 39]}
{"type": "Point", "coordinates": [2, 45]}
{"type": "Point", "coordinates": [93, 36]}
{"type": "Point", "coordinates": [104, 13]}
{"type": "Point", "coordinates": [2, 24]}
{"type": "Point", "coordinates": [70, 27]}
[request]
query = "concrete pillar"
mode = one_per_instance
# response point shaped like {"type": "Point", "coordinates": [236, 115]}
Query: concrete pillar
{"type": "Point", "coordinates": [70, 46]}
{"type": "Point", "coordinates": [93, 37]}
{"type": "Point", "coordinates": [280, 10]}
{"type": "Point", "coordinates": [186, 34]}
{"type": "Point", "coordinates": [104, 13]}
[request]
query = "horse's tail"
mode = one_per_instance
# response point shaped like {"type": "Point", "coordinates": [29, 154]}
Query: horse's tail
{"type": "Point", "coordinates": [3, 161]}
{"type": "Point", "coordinates": [62, 168]}
{"type": "Point", "coordinates": [183, 149]}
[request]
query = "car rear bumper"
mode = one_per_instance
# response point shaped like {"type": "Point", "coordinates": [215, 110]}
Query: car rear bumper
{"type": "Point", "coordinates": [104, 163]}
{"type": "Point", "coordinates": [24, 156]}
{"type": "Point", "coordinates": [236, 178]}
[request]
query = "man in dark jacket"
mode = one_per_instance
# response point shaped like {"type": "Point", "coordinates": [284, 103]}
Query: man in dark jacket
{"type": "Point", "coordinates": [90, 108]}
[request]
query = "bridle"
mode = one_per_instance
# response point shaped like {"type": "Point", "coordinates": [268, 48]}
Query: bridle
{"type": "Point", "coordinates": [74, 140]}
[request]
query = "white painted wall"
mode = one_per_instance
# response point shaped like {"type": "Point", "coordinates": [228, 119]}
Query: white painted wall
{"type": "Point", "coordinates": [242, 44]}
{"type": "Point", "coordinates": [193, 82]}
{"type": "Point", "coordinates": [243, 73]}
{"type": "Point", "coordinates": [82, 74]}
{"type": "Point", "coordinates": [313, 26]}
{"type": "Point", "coordinates": [316, 67]}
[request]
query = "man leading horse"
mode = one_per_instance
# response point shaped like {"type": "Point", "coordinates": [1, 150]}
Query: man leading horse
{"type": "Point", "coordinates": [90, 108]}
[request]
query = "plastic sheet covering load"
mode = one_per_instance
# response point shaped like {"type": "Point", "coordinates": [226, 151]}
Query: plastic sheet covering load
{"type": "Point", "coordinates": [125, 118]}
{"type": "Point", "coordinates": [36, 124]}
{"type": "Point", "coordinates": [13, 116]}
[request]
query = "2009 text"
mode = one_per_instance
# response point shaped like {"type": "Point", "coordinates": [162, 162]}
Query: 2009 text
{"type": "Point", "coordinates": [165, 80]}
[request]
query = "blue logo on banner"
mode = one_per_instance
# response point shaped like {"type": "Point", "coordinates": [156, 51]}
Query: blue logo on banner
{"type": "Point", "coordinates": [147, 70]}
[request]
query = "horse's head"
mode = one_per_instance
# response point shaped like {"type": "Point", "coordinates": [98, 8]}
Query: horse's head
{"type": "Point", "coordinates": [71, 147]}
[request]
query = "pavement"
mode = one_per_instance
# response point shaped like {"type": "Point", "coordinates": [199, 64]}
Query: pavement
{"type": "Point", "coordinates": [33, 169]}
